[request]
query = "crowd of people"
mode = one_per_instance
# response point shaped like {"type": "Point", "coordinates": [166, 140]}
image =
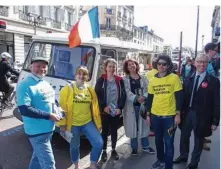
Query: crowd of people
{"type": "Point", "coordinates": [159, 101]}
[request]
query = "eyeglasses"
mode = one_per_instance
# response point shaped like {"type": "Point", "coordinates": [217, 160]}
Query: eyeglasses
{"type": "Point", "coordinates": [202, 62]}
{"type": "Point", "coordinates": [163, 64]}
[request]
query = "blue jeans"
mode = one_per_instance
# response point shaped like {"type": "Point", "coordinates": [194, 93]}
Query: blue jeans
{"type": "Point", "coordinates": [144, 140]}
{"type": "Point", "coordinates": [42, 156]}
{"type": "Point", "coordinates": [93, 135]}
{"type": "Point", "coordinates": [162, 138]}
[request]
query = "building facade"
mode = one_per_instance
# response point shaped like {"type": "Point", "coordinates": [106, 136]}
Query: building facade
{"type": "Point", "coordinates": [143, 37]}
{"type": "Point", "coordinates": [115, 21]}
{"type": "Point", "coordinates": [19, 23]}
{"type": "Point", "coordinates": [215, 24]}
{"type": "Point", "coordinates": [167, 49]}
{"type": "Point", "coordinates": [157, 44]}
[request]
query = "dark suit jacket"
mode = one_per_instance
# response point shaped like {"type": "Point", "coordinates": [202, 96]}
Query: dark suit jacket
{"type": "Point", "coordinates": [207, 104]}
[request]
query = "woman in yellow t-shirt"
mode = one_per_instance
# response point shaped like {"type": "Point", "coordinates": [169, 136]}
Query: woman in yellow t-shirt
{"type": "Point", "coordinates": [79, 101]}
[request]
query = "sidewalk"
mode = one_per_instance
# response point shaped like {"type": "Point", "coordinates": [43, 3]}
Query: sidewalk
{"type": "Point", "coordinates": [209, 159]}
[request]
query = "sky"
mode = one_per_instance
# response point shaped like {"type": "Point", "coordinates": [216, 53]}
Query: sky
{"type": "Point", "coordinates": [168, 21]}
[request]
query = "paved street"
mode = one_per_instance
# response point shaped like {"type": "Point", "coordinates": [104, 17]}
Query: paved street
{"type": "Point", "coordinates": [15, 150]}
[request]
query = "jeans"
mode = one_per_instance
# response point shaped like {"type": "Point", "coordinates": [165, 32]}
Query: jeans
{"type": "Point", "coordinates": [144, 140]}
{"type": "Point", "coordinates": [160, 125]}
{"type": "Point", "coordinates": [93, 135]}
{"type": "Point", "coordinates": [188, 126]}
{"type": "Point", "coordinates": [42, 157]}
{"type": "Point", "coordinates": [109, 122]}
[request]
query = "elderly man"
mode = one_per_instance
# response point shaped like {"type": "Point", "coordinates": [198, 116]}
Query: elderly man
{"type": "Point", "coordinates": [201, 111]}
{"type": "Point", "coordinates": [36, 101]}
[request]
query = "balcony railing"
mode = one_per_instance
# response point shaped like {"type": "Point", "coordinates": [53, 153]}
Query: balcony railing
{"type": "Point", "coordinates": [105, 27]}
{"type": "Point", "coordinates": [67, 27]}
{"type": "Point", "coordinates": [4, 11]}
{"type": "Point", "coordinates": [23, 16]}
{"type": "Point", "coordinates": [131, 7]}
{"type": "Point", "coordinates": [56, 24]}
{"type": "Point", "coordinates": [35, 19]}
{"type": "Point", "coordinates": [124, 18]}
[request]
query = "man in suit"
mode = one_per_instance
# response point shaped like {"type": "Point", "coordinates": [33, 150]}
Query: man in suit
{"type": "Point", "coordinates": [200, 112]}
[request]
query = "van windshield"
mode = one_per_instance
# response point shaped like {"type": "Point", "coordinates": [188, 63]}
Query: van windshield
{"type": "Point", "coordinates": [63, 60]}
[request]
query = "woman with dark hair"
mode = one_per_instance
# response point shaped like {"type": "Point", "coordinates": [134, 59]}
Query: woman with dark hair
{"type": "Point", "coordinates": [164, 103]}
{"type": "Point", "coordinates": [136, 91]}
{"type": "Point", "coordinates": [111, 95]}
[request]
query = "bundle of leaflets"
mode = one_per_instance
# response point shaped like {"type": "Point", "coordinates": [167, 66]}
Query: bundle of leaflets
{"type": "Point", "coordinates": [113, 108]}
{"type": "Point", "coordinates": [171, 130]}
{"type": "Point", "coordinates": [67, 136]}
{"type": "Point", "coordinates": [139, 92]}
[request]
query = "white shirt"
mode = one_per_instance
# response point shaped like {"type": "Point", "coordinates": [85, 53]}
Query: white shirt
{"type": "Point", "coordinates": [201, 78]}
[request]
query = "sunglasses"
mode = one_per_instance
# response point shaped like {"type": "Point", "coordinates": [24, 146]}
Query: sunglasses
{"type": "Point", "coordinates": [163, 64]}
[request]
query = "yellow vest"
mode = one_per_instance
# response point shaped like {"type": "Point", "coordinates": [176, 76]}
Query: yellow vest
{"type": "Point", "coordinates": [66, 103]}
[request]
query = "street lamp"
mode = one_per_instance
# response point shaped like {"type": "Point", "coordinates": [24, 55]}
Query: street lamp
{"type": "Point", "coordinates": [35, 20]}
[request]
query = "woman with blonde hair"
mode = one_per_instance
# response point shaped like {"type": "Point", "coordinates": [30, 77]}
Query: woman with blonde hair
{"type": "Point", "coordinates": [111, 97]}
{"type": "Point", "coordinates": [136, 91]}
{"type": "Point", "coordinates": [82, 115]}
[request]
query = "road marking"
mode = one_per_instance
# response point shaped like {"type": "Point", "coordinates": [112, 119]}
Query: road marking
{"type": "Point", "coordinates": [11, 131]}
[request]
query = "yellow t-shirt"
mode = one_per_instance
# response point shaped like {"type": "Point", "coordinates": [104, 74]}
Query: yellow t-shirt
{"type": "Point", "coordinates": [151, 74]}
{"type": "Point", "coordinates": [163, 89]}
{"type": "Point", "coordinates": [81, 106]}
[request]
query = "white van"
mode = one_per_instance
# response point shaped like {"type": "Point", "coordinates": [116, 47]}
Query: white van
{"type": "Point", "coordinates": [63, 60]}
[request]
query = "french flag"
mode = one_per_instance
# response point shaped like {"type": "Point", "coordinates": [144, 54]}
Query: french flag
{"type": "Point", "coordinates": [87, 28]}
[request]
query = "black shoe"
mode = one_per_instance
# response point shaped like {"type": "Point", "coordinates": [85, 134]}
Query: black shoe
{"type": "Point", "coordinates": [190, 166]}
{"type": "Point", "coordinates": [179, 160]}
{"type": "Point", "coordinates": [104, 156]}
{"type": "Point", "coordinates": [134, 152]}
{"type": "Point", "coordinates": [114, 155]}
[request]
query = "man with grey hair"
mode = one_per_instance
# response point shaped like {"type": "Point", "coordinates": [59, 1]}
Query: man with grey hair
{"type": "Point", "coordinates": [200, 112]}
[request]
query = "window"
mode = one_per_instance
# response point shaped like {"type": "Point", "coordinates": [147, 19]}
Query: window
{"type": "Point", "coordinates": [63, 60]}
{"type": "Point", "coordinates": [26, 9]}
{"type": "Point", "coordinates": [105, 54]}
{"type": "Point", "coordinates": [70, 18]}
{"type": "Point", "coordinates": [56, 14]}
{"type": "Point", "coordinates": [41, 10]}
{"type": "Point", "coordinates": [124, 12]}
{"type": "Point", "coordinates": [108, 23]}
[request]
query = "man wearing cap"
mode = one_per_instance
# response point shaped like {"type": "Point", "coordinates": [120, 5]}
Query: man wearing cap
{"type": "Point", "coordinates": [36, 100]}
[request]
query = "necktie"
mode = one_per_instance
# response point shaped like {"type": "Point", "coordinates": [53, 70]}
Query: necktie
{"type": "Point", "coordinates": [194, 90]}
